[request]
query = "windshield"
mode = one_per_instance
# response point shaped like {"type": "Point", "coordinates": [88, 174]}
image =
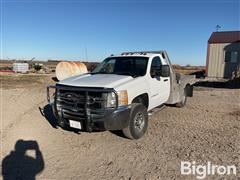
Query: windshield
{"type": "Point", "coordinates": [131, 66]}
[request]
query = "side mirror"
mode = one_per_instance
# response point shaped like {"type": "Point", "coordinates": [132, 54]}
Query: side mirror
{"type": "Point", "coordinates": [165, 71]}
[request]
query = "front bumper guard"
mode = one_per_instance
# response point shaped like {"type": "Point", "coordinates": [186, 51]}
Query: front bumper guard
{"type": "Point", "coordinates": [111, 118]}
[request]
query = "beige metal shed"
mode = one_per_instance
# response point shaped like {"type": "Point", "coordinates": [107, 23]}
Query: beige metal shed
{"type": "Point", "coordinates": [223, 54]}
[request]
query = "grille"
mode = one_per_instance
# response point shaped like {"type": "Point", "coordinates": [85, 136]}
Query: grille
{"type": "Point", "coordinates": [80, 105]}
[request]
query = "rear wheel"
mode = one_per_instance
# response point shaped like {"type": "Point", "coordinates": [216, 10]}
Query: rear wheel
{"type": "Point", "coordinates": [138, 122]}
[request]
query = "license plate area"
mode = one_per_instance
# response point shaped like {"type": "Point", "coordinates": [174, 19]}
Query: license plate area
{"type": "Point", "coordinates": [75, 124]}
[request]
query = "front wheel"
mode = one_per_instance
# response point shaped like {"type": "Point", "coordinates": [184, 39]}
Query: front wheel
{"type": "Point", "coordinates": [138, 122]}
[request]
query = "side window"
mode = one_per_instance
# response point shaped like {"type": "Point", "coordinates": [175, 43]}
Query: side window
{"type": "Point", "coordinates": [156, 65]}
{"type": "Point", "coordinates": [232, 56]}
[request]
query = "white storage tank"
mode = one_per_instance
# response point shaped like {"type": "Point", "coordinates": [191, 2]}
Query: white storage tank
{"type": "Point", "coordinates": [21, 67]}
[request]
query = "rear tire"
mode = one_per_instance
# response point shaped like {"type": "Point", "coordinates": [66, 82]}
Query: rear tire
{"type": "Point", "coordinates": [138, 122]}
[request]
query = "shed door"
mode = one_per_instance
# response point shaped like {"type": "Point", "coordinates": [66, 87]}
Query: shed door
{"type": "Point", "coordinates": [232, 61]}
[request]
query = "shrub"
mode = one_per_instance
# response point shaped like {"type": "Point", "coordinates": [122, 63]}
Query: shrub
{"type": "Point", "coordinates": [37, 67]}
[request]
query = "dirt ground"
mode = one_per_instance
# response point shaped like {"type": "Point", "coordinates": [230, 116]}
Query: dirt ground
{"type": "Point", "coordinates": [207, 129]}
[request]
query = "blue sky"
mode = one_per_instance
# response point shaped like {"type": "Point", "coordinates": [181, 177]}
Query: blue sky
{"type": "Point", "coordinates": [66, 29]}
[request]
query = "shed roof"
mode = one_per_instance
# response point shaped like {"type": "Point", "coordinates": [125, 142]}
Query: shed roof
{"type": "Point", "coordinates": [224, 37]}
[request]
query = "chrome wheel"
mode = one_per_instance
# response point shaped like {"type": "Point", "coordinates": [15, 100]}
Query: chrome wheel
{"type": "Point", "coordinates": [139, 121]}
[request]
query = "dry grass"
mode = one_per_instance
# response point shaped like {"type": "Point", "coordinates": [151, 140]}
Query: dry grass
{"type": "Point", "coordinates": [188, 69]}
{"type": "Point", "coordinates": [12, 80]}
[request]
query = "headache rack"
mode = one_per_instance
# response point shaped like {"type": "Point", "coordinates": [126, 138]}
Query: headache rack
{"type": "Point", "coordinates": [83, 104]}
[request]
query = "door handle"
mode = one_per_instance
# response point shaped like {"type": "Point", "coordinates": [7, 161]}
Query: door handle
{"type": "Point", "coordinates": [165, 80]}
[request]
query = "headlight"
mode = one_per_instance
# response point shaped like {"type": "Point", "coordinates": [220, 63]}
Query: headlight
{"type": "Point", "coordinates": [122, 99]}
{"type": "Point", "coordinates": [51, 92]}
{"type": "Point", "coordinates": [111, 100]}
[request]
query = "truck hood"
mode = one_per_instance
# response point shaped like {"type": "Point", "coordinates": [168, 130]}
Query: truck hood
{"type": "Point", "coordinates": [96, 80]}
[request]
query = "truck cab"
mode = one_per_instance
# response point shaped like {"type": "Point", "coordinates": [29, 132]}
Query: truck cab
{"type": "Point", "coordinates": [119, 93]}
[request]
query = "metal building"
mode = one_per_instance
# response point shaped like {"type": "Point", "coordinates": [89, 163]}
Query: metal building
{"type": "Point", "coordinates": [223, 54]}
{"type": "Point", "coordinates": [21, 67]}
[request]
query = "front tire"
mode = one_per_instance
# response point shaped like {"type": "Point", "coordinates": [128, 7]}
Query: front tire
{"type": "Point", "coordinates": [138, 122]}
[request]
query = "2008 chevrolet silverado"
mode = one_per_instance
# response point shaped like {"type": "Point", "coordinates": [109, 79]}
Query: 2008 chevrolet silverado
{"type": "Point", "coordinates": [119, 93]}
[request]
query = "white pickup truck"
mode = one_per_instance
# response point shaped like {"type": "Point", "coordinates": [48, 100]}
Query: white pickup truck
{"type": "Point", "coordinates": [119, 93]}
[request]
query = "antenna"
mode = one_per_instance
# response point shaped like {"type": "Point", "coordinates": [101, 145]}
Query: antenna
{"type": "Point", "coordinates": [32, 59]}
{"type": "Point", "coordinates": [217, 27]}
{"type": "Point", "coordinates": [86, 53]}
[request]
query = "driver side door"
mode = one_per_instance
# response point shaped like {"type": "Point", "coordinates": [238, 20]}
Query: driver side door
{"type": "Point", "coordinates": [159, 86]}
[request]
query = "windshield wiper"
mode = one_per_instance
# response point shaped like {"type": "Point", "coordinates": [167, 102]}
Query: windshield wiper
{"type": "Point", "coordinates": [99, 73]}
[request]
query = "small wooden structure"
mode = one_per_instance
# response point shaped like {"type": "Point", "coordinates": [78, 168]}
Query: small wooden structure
{"type": "Point", "coordinates": [223, 54]}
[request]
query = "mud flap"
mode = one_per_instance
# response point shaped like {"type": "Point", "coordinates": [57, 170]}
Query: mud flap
{"type": "Point", "coordinates": [189, 90]}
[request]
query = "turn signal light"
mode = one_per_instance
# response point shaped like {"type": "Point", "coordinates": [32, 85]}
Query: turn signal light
{"type": "Point", "coordinates": [122, 98]}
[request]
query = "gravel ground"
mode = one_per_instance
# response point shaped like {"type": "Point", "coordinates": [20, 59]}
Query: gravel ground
{"type": "Point", "coordinates": [207, 129]}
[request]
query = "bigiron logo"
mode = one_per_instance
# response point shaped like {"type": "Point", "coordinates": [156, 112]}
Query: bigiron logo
{"type": "Point", "coordinates": [202, 171]}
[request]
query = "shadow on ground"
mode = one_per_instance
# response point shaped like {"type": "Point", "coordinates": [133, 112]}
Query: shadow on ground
{"type": "Point", "coordinates": [47, 113]}
{"type": "Point", "coordinates": [230, 84]}
{"type": "Point", "coordinates": [19, 165]}
{"type": "Point", "coordinates": [118, 133]}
